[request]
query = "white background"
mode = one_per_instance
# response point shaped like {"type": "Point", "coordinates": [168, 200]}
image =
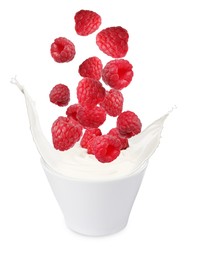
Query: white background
{"type": "Point", "coordinates": [163, 42]}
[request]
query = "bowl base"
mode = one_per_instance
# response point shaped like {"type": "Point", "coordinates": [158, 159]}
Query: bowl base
{"type": "Point", "coordinates": [100, 233]}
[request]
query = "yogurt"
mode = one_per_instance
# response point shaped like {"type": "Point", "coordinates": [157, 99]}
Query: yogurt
{"type": "Point", "coordinates": [76, 163]}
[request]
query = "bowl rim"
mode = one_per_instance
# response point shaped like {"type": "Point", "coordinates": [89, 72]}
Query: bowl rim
{"type": "Point", "coordinates": [52, 171]}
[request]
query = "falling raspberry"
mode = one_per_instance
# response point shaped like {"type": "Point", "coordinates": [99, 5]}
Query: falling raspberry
{"type": "Point", "coordinates": [65, 133]}
{"type": "Point", "coordinates": [106, 148]}
{"type": "Point", "coordinates": [113, 41]}
{"type": "Point", "coordinates": [117, 73]}
{"type": "Point", "coordinates": [90, 92]}
{"type": "Point", "coordinates": [91, 118]}
{"type": "Point", "coordinates": [128, 124]}
{"type": "Point", "coordinates": [113, 102]}
{"type": "Point", "coordinates": [60, 95]}
{"type": "Point", "coordinates": [91, 68]}
{"type": "Point", "coordinates": [72, 110]}
{"type": "Point", "coordinates": [89, 135]}
{"type": "Point", "coordinates": [124, 141]}
{"type": "Point", "coordinates": [62, 50]}
{"type": "Point", "coordinates": [86, 22]}
{"type": "Point", "coordinates": [90, 148]}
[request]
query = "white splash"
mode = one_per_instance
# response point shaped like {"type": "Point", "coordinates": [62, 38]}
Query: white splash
{"type": "Point", "coordinates": [76, 163]}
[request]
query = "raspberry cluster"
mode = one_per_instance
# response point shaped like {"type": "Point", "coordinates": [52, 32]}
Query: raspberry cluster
{"type": "Point", "coordinates": [98, 92]}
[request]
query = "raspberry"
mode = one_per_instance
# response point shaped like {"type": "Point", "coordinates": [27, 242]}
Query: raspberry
{"type": "Point", "coordinates": [90, 92]}
{"type": "Point", "coordinates": [91, 68]}
{"type": "Point", "coordinates": [117, 74]}
{"type": "Point", "coordinates": [86, 22]}
{"type": "Point", "coordinates": [94, 101]}
{"type": "Point", "coordinates": [88, 135]}
{"type": "Point", "coordinates": [62, 50]}
{"type": "Point", "coordinates": [113, 102]}
{"type": "Point", "coordinates": [65, 133]}
{"type": "Point", "coordinates": [90, 148]}
{"type": "Point", "coordinates": [60, 95]}
{"type": "Point", "coordinates": [113, 41]}
{"type": "Point", "coordinates": [124, 141]}
{"type": "Point", "coordinates": [106, 148]}
{"type": "Point", "coordinates": [72, 110]}
{"type": "Point", "coordinates": [91, 118]}
{"type": "Point", "coordinates": [128, 124]}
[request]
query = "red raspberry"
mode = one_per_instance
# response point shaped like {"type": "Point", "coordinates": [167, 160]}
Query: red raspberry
{"type": "Point", "coordinates": [91, 68]}
{"type": "Point", "coordinates": [90, 92]}
{"type": "Point", "coordinates": [72, 110]}
{"type": "Point", "coordinates": [90, 148]}
{"type": "Point", "coordinates": [88, 135]}
{"type": "Point", "coordinates": [117, 74]}
{"type": "Point", "coordinates": [128, 124]}
{"type": "Point", "coordinates": [106, 148]}
{"type": "Point", "coordinates": [60, 95]}
{"type": "Point", "coordinates": [62, 50]}
{"type": "Point", "coordinates": [91, 118]}
{"type": "Point", "coordinates": [65, 133]}
{"type": "Point", "coordinates": [113, 41]}
{"type": "Point", "coordinates": [86, 22]}
{"type": "Point", "coordinates": [113, 102]}
{"type": "Point", "coordinates": [124, 141]}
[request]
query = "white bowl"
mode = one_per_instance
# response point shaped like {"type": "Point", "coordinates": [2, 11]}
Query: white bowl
{"type": "Point", "coordinates": [95, 208]}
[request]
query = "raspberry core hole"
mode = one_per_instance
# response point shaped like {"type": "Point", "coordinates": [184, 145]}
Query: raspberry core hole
{"type": "Point", "coordinates": [110, 150]}
{"type": "Point", "coordinates": [60, 47]}
{"type": "Point", "coordinates": [121, 73]}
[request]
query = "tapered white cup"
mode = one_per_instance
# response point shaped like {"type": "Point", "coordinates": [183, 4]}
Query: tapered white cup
{"type": "Point", "coordinates": [92, 207]}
